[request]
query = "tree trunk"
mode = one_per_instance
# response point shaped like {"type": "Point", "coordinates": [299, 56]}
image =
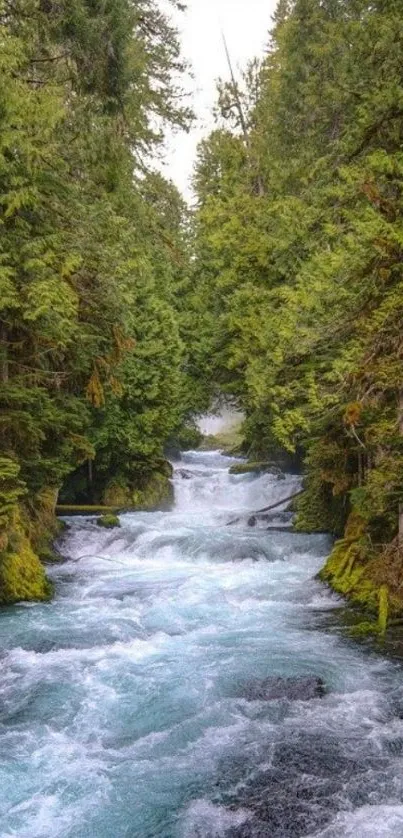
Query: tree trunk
{"type": "Point", "coordinates": [269, 508]}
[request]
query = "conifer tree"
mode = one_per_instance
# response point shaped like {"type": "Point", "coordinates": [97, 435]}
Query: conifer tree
{"type": "Point", "coordinates": [90, 258]}
{"type": "Point", "coordinates": [306, 279]}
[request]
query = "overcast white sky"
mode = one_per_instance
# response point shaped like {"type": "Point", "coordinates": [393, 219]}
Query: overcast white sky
{"type": "Point", "coordinates": [246, 24]}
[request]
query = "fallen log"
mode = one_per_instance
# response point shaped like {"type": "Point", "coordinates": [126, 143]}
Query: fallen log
{"type": "Point", "coordinates": [269, 508]}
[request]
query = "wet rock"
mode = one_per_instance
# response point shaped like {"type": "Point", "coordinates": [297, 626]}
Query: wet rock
{"type": "Point", "coordinates": [185, 475]}
{"type": "Point", "coordinates": [260, 467]}
{"type": "Point", "coordinates": [246, 552]}
{"type": "Point", "coordinates": [301, 790]}
{"type": "Point", "coordinates": [278, 520]}
{"type": "Point", "coordinates": [109, 522]}
{"type": "Point", "coordinates": [293, 689]}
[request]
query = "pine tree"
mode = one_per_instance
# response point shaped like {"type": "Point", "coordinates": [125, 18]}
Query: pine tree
{"type": "Point", "coordinates": [88, 267]}
{"type": "Point", "coordinates": [309, 340]}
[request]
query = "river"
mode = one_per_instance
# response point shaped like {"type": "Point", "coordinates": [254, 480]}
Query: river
{"type": "Point", "coordinates": [137, 704]}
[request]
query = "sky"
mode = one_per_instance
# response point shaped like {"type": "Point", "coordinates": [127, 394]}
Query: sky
{"type": "Point", "coordinates": [245, 24]}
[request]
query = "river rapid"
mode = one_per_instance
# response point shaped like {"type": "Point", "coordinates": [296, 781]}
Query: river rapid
{"type": "Point", "coordinates": [137, 704]}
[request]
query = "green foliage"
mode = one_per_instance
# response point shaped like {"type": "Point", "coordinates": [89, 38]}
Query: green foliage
{"type": "Point", "coordinates": [187, 438]}
{"type": "Point", "coordinates": [94, 248]}
{"type": "Point", "coordinates": [302, 278]}
{"type": "Point", "coordinates": [147, 492]}
{"type": "Point", "coordinates": [11, 488]}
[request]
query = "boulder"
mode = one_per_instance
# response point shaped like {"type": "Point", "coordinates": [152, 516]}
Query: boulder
{"type": "Point", "coordinates": [297, 688]}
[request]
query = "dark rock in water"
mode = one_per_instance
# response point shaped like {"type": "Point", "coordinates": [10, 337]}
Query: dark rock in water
{"type": "Point", "coordinates": [185, 475]}
{"type": "Point", "coordinates": [245, 552]}
{"type": "Point", "coordinates": [300, 790]}
{"type": "Point", "coordinates": [259, 467]}
{"type": "Point", "coordinates": [294, 689]}
{"type": "Point", "coordinates": [275, 519]}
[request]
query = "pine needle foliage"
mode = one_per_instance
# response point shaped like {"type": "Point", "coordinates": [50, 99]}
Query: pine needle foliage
{"type": "Point", "coordinates": [303, 278]}
{"type": "Point", "coordinates": [93, 243]}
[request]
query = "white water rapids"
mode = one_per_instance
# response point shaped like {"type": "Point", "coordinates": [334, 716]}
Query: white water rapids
{"type": "Point", "coordinates": [129, 706]}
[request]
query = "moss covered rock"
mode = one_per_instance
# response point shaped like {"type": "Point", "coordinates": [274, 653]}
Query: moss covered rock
{"type": "Point", "coordinates": [110, 522]}
{"type": "Point", "coordinates": [22, 575]}
{"type": "Point", "coordinates": [157, 493]}
{"type": "Point", "coordinates": [366, 576]}
{"type": "Point", "coordinates": [152, 492]}
{"type": "Point", "coordinates": [346, 570]}
{"type": "Point", "coordinates": [116, 495]}
{"type": "Point", "coordinates": [254, 468]}
{"type": "Point", "coordinates": [318, 510]}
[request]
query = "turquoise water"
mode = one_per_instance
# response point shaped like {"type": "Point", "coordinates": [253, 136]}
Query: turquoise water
{"type": "Point", "coordinates": [125, 704]}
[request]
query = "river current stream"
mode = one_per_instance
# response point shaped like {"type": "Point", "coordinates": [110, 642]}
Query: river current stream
{"type": "Point", "coordinates": [152, 698]}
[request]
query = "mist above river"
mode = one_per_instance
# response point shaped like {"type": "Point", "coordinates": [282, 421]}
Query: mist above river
{"type": "Point", "coordinates": [226, 420]}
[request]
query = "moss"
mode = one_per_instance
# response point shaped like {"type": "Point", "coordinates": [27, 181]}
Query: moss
{"type": "Point", "coordinates": [156, 493]}
{"type": "Point", "coordinates": [383, 612]}
{"type": "Point", "coordinates": [364, 629]}
{"type": "Point", "coordinates": [346, 570]}
{"type": "Point", "coordinates": [22, 576]}
{"type": "Point", "coordinates": [356, 527]}
{"type": "Point", "coordinates": [3, 541]}
{"type": "Point", "coordinates": [50, 556]}
{"type": "Point", "coordinates": [164, 467]}
{"type": "Point", "coordinates": [152, 492]}
{"type": "Point", "coordinates": [27, 538]}
{"type": "Point", "coordinates": [366, 576]}
{"type": "Point", "coordinates": [375, 627]}
{"type": "Point", "coordinates": [116, 495]}
{"type": "Point", "coordinates": [318, 510]}
{"type": "Point", "coordinates": [108, 521]}
{"type": "Point", "coordinates": [253, 468]}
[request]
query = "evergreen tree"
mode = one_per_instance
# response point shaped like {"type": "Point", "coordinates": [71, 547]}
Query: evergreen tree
{"type": "Point", "coordinates": [306, 277]}
{"type": "Point", "coordinates": [90, 257]}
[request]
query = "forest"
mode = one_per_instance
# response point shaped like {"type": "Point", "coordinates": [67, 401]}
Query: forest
{"type": "Point", "coordinates": [125, 313]}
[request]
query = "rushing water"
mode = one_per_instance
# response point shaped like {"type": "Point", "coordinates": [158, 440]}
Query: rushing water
{"type": "Point", "coordinates": [130, 706]}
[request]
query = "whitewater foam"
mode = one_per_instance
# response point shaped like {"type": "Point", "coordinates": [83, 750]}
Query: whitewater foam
{"type": "Point", "coordinates": [124, 703]}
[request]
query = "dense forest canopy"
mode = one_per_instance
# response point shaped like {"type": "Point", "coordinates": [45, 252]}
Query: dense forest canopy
{"type": "Point", "coordinates": [123, 313]}
{"type": "Point", "coordinates": [94, 252]}
{"type": "Point", "coordinates": [298, 243]}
